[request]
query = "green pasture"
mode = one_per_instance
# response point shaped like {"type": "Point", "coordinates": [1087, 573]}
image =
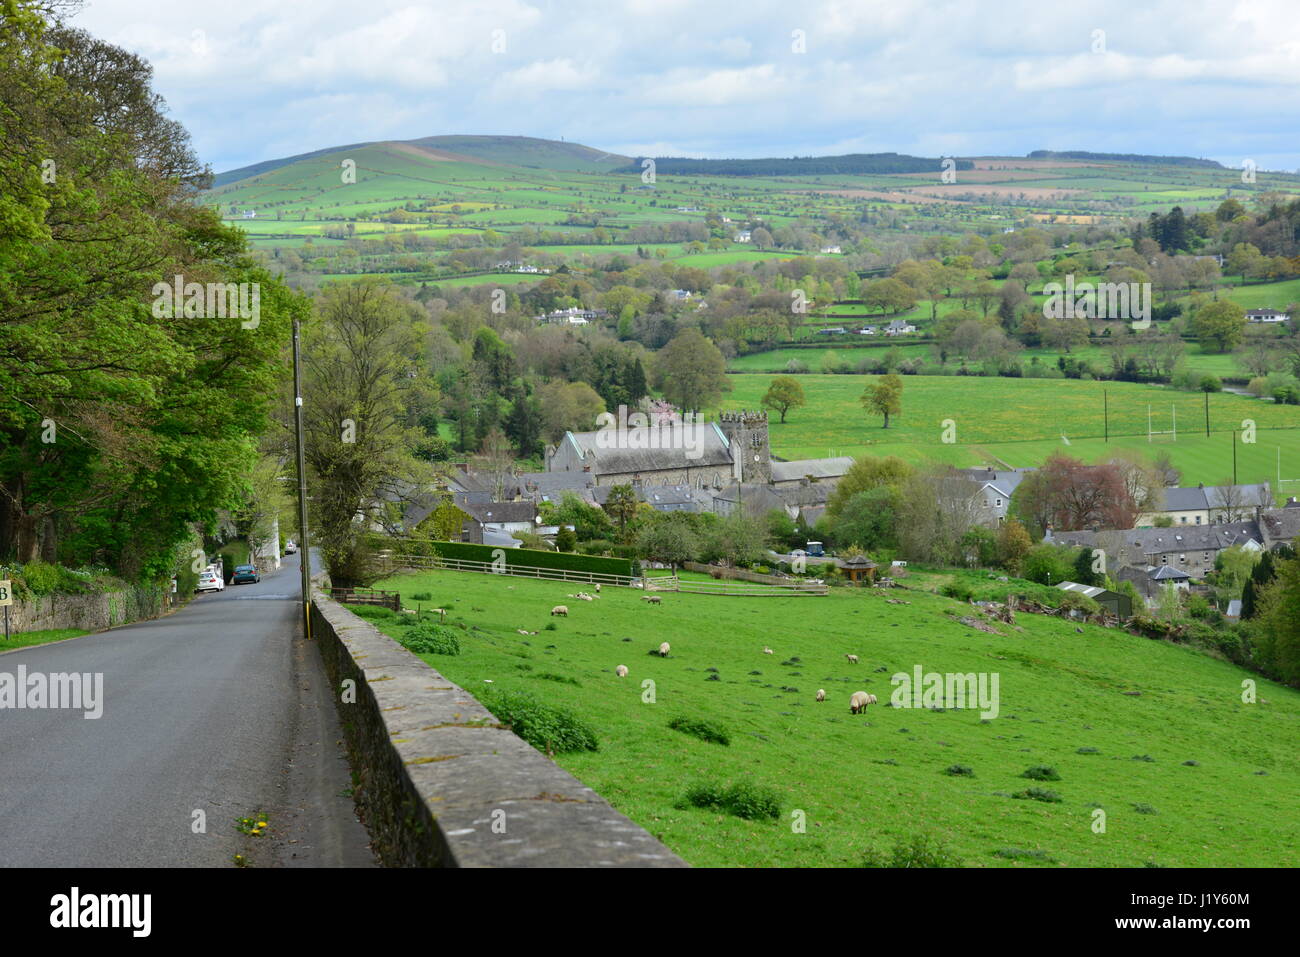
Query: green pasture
{"type": "Point", "coordinates": [1154, 735]}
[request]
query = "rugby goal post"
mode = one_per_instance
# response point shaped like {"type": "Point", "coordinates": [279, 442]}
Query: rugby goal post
{"type": "Point", "coordinates": [1159, 435]}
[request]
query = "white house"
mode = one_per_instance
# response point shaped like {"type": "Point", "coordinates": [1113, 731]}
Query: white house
{"type": "Point", "coordinates": [744, 236]}
{"type": "Point", "coordinates": [1265, 315]}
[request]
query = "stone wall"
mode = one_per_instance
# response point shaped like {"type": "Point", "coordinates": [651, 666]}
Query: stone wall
{"type": "Point", "coordinates": [442, 784]}
{"type": "Point", "coordinates": [89, 612]}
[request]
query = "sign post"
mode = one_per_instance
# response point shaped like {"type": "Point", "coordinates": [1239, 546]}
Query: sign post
{"type": "Point", "coordinates": [6, 599]}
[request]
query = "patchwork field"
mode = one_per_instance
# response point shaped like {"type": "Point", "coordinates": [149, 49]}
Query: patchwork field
{"type": "Point", "coordinates": [1159, 762]}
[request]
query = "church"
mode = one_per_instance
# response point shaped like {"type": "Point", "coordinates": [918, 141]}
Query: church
{"type": "Point", "coordinates": [734, 450]}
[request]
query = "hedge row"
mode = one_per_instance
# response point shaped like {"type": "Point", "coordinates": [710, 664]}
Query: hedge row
{"type": "Point", "coordinates": [535, 558]}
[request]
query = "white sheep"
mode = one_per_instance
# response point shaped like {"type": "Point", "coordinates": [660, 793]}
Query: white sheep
{"type": "Point", "coordinates": [621, 671]}
{"type": "Point", "coordinates": [560, 610]}
{"type": "Point", "coordinates": [821, 694]}
{"type": "Point", "coordinates": [597, 588]}
{"type": "Point", "coordinates": [859, 701]}
{"type": "Point", "coordinates": [652, 599]}
{"type": "Point", "coordinates": [768, 651]}
{"type": "Point", "coordinates": [663, 650]}
{"type": "Point", "coordinates": [853, 659]}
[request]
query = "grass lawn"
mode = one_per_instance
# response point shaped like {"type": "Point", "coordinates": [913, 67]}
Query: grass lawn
{"type": "Point", "coordinates": [1023, 420]}
{"type": "Point", "coordinates": [28, 638]}
{"type": "Point", "coordinates": [873, 780]}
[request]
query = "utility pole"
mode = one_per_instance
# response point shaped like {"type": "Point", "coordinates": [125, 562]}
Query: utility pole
{"type": "Point", "coordinates": [304, 549]}
{"type": "Point", "coordinates": [1207, 415]}
{"type": "Point", "coordinates": [1105, 412]}
{"type": "Point", "coordinates": [1234, 456]}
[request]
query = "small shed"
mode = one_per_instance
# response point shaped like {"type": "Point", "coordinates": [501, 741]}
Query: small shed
{"type": "Point", "coordinates": [859, 568]}
{"type": "Point", "coordinates": [1113, 603]}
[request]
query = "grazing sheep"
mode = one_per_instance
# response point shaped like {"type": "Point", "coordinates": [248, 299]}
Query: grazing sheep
{"type": "Point", "coordinates": [597, 588]}
{"type": "Point", "coordinates": [858, 703]}
{"type": "Point", "coordinates": [663, 650]}
{"type": "Point", "coordinates": [768, 651]}
{"type": "Point", "coordinates": [582, 595]}
{"type": "Point", "coordinates": [652, 599]}
{"type": "Point", "coordinates": [853, 659]}
{"type": "Point", "coordinates": [821, 694]}
{"type": "Point", "coordinates": [871, 699]}
{"type": "Point", "coordinates": [560, 610]}
{"type": "Point", "coordinates": [621, 671]}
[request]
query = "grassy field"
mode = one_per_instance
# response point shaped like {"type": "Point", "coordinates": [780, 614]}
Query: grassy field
{"type": "Point", "coordinates": [868, 782]}
{"type": "Point", "coordinates": [1022, 420]}
{"type": "Point", "coordinates": [28, 638]}
{"type": "Point", "coordinates": [776, 360]}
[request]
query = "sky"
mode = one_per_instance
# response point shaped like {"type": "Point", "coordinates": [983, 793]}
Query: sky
{"type": "Point", "coordinates": [261, 79]}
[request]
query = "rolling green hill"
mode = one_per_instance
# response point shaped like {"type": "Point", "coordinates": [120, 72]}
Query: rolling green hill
{"type": "Point", "coordinates": [1155, 735]}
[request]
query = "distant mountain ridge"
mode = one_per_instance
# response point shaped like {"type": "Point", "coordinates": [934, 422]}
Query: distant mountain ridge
{"type": "Point", "coordinates": [524, 151]}
{"type": "Point", "coordinates": [847, 164]}
{"type": "Point", "coordinates": [1126, 158]}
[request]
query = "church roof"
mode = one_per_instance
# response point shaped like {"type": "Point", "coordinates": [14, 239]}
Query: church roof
{"type": "Point", "coordinates": [652, 448]}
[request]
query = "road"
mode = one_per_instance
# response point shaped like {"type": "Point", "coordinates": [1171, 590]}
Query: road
{"type": "Point", "coordinates": [221, 708]}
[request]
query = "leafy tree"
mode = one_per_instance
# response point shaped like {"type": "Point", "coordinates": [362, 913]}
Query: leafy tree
{"type": "Point", "coordinates": [1279, 615]}
{"type": "Point", "coordinates": [669, 538]}
{"type": "Point", "coordinates": [566, 540]}
{"type": "Point", "coordinates": [524, 426]}
{"type": "Point", "coordinates": [884, 397]}
{"type": "Point", "coordinates": [356, 357]}
{"type": "Point", "coordinates": [869, 518]}
{"type": "Point", "coordinates": [691, 372]}
{"type": "Point", "coordinates": [116, 432]}
{"type": "Point", "coordinates": [621, 505]}
{"type": "Point", "coordinates": [1013, 543]}
{"type": "Point", "coordinates": [1221, 325]}
{"type": "Point", "coordinates": [785, 393]}
{"type": "Point", "coordinates": [867, 473]}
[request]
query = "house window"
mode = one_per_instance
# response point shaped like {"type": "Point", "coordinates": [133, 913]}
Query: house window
{"type": "Point", "coordinates": [1164, 559]}
{"type": "Point", "coordinates": [998, 503]}
{"type": "Point", "coordinates": [1183, 559]}
{"type": "Point", "coordinates": [1198, 520]}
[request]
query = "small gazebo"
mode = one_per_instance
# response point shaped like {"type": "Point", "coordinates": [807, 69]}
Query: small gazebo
{"type": "Point", "coordinates": [859, 568]}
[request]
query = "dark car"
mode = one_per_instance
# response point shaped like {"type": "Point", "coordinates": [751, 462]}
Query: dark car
{"type": "Point", "coordinates": [245, 573]}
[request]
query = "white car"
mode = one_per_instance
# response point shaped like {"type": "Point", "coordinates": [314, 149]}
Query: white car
{"type": "Point", "coordinates": [290, 548]}
{"type": "Point", "coordinates": [210, 580]}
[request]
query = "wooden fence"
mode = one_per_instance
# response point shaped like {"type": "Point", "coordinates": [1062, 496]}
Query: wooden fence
{"type": "Point", "coordinates": [395, 563]}
{"type": "Point", "coordinates": [367, 596]}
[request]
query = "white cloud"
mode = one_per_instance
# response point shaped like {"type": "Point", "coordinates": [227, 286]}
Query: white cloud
{"type": "Point", "coordinates": [721, 79]}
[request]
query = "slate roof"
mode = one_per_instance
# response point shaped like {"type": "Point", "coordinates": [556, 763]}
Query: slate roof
{"type": "Point", "coordinates": [1005, 481]}
{"type": "Point", "coordinates": [817, 468]}
{"type": "Point", "coordinates": [1280, 525]}
{"type": "Point", "coordinates": [1194, 498]}
{"type": "Point", "coordinates": [634, 449]}
{"type": "Point", "coordinates": [1177, 538]}
{"type": "Point", "coordinates": [495, 512]}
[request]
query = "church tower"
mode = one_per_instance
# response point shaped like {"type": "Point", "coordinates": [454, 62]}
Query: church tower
{"type": "Point", "coordinates": [751, 455]}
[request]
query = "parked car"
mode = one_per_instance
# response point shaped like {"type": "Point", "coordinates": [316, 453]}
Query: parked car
{"type": "Point", "coordinates": [245, 573]}
{"type": "Point", "coordinates": [290, 548]}
{"type": "Point", "coordinates": [210, 580]}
